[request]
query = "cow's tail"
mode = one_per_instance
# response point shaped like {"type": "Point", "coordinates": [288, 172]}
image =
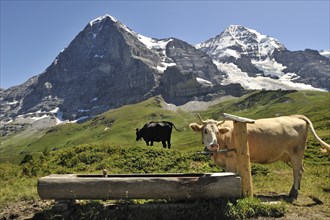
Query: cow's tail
{"type": "Point", "coordinates": [325, 147]}
{"type": "Point", "coordinates": [170, 123]}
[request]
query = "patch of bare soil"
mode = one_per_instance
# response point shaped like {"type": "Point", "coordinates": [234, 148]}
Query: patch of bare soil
{"type": "Point", "coordinates": [304, 208]}
{"type": "Point", "coordinates": [24, 209]}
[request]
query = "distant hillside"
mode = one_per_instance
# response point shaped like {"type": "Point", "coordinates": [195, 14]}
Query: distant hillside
{"type": "Point", "coordinates": [117, 127]}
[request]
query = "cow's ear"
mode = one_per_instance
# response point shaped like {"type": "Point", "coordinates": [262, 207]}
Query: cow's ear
{"type": "Point", "coordinates": [224, 130]}
{"type": "Point", "coordinates": [196, 127]}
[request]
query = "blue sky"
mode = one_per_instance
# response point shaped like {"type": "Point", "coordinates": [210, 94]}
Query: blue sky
{"type": "Point", "coordinates": [34, 32]}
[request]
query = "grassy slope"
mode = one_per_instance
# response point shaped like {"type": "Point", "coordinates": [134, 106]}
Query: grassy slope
{"type": "Point", "coordinates": [117, 150]}
{"type": "Point", "coordinates": [117, 127]}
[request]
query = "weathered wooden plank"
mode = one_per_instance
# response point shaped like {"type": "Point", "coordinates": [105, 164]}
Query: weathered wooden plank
{"type": "Point", "coordinates": [237, 118]}
{"type": "Point", "coordinates": [243, 157]}
{"type": "Point", "coordinates": [140, 186]}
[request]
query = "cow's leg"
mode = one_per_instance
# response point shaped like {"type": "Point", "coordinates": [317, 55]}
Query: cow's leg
{"type": "Point", "coordinates": [169, 144]}
{"type": "Point", "coordinates": [147, 142]}
{"type": "Point", "coordinates": [164, 144]}
{"type": "Point", "coordinates": [298, 169]}
{"type": "Point", "coordinates": [151, 143]}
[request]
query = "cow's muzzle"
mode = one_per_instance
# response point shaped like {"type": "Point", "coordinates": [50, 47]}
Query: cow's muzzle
{"type": "Point", "coordinates": [212, 147]}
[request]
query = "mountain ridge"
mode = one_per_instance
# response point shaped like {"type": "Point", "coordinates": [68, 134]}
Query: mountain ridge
{"type": "Point", "coordinates": [108, 65]}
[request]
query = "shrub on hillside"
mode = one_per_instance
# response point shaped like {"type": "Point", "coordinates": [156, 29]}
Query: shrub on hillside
{"type": "Point", "coordinates": [93, 159]}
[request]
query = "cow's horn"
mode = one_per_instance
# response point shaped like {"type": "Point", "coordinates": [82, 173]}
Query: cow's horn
{"type": "Point", "coordinates": [221, 122]}
{"type": "Point", "coordinates": [200, 118]}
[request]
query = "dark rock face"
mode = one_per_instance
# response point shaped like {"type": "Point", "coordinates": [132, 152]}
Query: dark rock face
{"type": "Point", "coordinates": [178, 87]}
{"type": "Point", "coordinates": [97, 71]}
{"type": "Point", "coordinates": [12, 98]}
{"type": "Point", "coordinates": [180, 83]}
{"type": "Point", "coordinates": [311, 67]}
{"type": "Point", "coordinates": [190, 60]}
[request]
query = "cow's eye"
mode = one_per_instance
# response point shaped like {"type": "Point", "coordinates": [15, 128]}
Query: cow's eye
{"type": "Point", "coordinates": [205, 131]}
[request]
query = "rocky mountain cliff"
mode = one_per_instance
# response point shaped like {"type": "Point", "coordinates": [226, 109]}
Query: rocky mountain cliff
{"type": "Point", "coordinates": [108, 65]}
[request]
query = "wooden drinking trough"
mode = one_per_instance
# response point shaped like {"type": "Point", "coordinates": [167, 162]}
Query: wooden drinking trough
{"type": "Point", "coordinates": [140, 186]}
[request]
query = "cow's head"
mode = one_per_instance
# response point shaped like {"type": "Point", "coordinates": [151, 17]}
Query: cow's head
{"type": "Point", "coordinates": [210, 130]}
{"type": "Point", "coordinates": [138, 134]}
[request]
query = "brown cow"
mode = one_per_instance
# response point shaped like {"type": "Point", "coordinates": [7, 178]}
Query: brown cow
{"type": "Point", "coordinates": [269, 140]}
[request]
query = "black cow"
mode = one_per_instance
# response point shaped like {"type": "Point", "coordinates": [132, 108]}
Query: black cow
{"type": "Point", "coordinates": [156, 131]}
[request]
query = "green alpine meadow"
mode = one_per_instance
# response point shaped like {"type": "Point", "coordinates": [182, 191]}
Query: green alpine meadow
{"type": "Point", "coordinates": [108, 141]}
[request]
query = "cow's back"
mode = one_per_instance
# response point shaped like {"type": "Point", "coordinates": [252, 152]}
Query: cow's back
{"type": "Point", "coordinates": [165, 130]}
{"type": "Point", "coordinates": [271, 139]}
{"type": "Point", "coordinates": [285, 126]}
{"type": "Point", "coordinates": [159, 131]}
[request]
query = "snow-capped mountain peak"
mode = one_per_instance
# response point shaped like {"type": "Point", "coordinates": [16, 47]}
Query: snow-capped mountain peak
{"type": "Point", "coordinates": [258, 61]}
{"type": "Point", "coordinates": [236, 41]}
{"type": "Point", "coordinates": [98, 19]}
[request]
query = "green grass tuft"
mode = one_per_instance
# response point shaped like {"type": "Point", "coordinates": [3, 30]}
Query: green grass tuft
{"type": "Point", "coordinates": [253, 208]}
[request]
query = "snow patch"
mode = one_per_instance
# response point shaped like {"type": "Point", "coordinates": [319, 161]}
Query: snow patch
{"type": "Point", "coordinates": [52, 115]}
{"type": "Point", "coordinates": [36, 118]}
{"type": "Point", "coordinates": [12, 103]}
{"type": "Point", "coordinates": [236, 75]}
{"type": "Point", "coordinates": [231, 53]}
{"type": "Point", "coordinates": [94, 99]}
{"type": "Point", "coordinates": [325, 53]}
{"type": "Point", "coordinates": [96, 20]}
{"type": "Point", "coordinates": [269, 67]}
{"type": "Point", "coordinates": [58, 116]}
{"type": "Point", "coordinates": [98, 56]}
{"type": "Point", "coordinates": [152, 43]}
{"type": "Point", "coordinates": [80, 119]}
{"type": "Point", "coordinates": [83, 110]}
{"type": "Point", "coordinates": [48, 85]}
{"type": "Point", "coordinates": [203, 81]}
{"type": "Point", "coordinates": [160, 47]}
{"type": "Point", "coordinates": [55, 110]}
